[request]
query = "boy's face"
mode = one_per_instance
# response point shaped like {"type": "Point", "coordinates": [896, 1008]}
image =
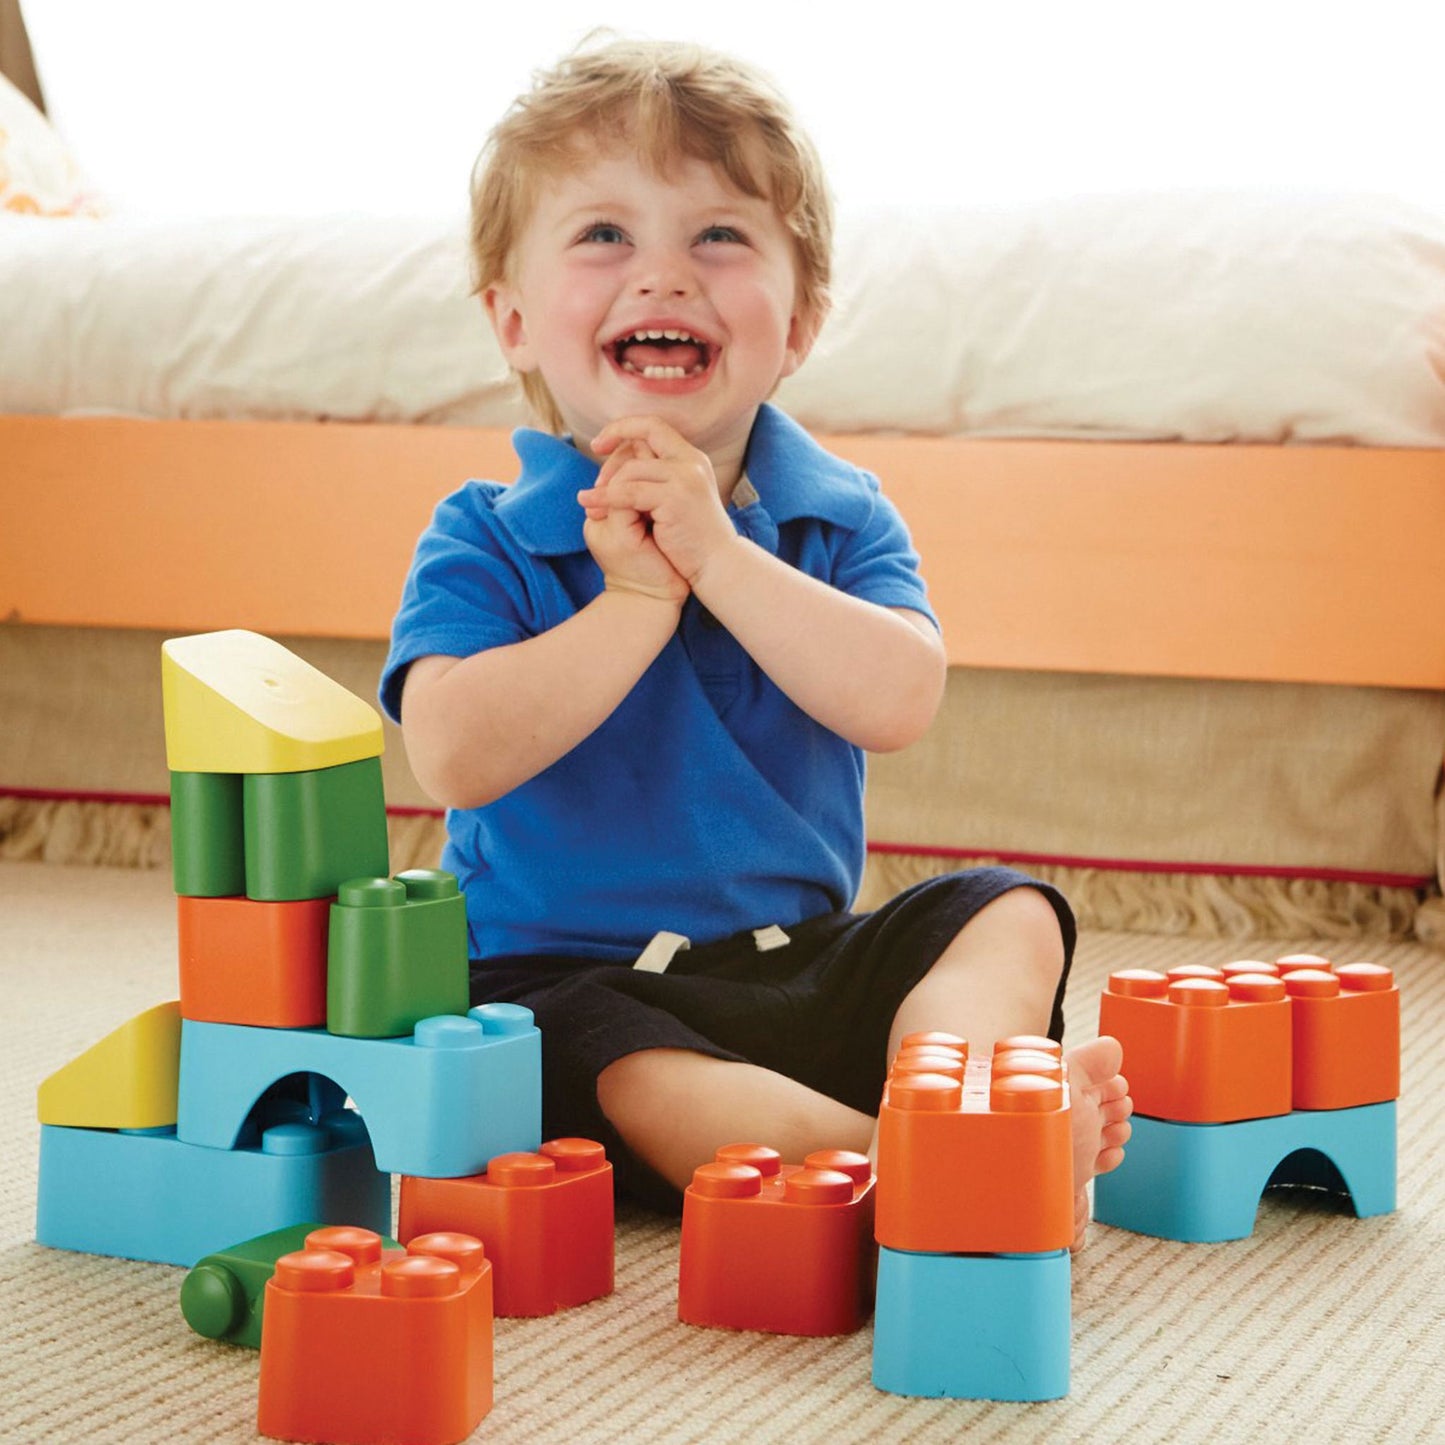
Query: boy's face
{"type": "Point", "coordinates": [642, 294]}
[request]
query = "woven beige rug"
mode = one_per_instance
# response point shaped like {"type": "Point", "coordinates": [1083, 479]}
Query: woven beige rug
{"type": "Point", "coordinates": [1319, 1328]}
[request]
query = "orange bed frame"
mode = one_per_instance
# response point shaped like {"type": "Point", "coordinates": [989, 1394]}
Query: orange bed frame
{"type": "Point", "coordinates": [1301, 564]}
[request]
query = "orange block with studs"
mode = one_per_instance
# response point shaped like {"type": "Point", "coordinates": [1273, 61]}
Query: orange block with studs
{"type": "Point", "coordinates": [975, 1155]}
{"type": "Point", "coordinates": [1346, 1035]}
{"type": "Point", "coordinates": [1202, 1045]}
{"type": "Point", "coordinates": [546, 1220]}
{"type": "Point", "coordinates": [247, 962]}
{"type": "Point", "coordinates": [361, 1345]}
{"type": "Point", "coordinates": [783, 1248]}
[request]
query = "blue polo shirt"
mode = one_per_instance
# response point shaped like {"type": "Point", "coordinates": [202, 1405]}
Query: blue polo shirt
{"type": "Point", "coordinates": [707, 803]}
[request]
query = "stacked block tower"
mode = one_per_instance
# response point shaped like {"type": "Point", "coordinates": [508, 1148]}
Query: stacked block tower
{"type": "Point", "coordinates": [974, 1222]}
{"type": "Point", "coordinates": [1253, 1075]}
{"type": "Point", "coordinates": [307, 977]}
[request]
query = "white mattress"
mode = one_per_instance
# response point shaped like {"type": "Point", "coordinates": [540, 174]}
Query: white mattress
{"type": "Point", "coordinates": [1194, 316]}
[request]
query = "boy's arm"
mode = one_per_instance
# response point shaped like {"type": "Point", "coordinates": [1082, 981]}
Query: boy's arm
{"type": "Point", "coordinates": [872, 674]}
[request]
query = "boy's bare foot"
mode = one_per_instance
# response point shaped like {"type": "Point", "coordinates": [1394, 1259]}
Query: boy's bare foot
{"type": "Point", "coordinates": [1100, 1104]}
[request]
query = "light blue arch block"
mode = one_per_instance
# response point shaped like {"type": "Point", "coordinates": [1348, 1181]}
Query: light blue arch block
{"type": "Point", "coordinates": [973, 1326]}
{"type": "Point", "coordinates": [1202, 1183]}
{"type": "Point", "coordinates": [441, 1103]}
{"type": "Point", "coordinates": [147, 1195]}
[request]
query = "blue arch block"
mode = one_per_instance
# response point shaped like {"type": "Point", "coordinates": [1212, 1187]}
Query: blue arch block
{"type": "Point", "coordinates": [1202, 1182]}
{"type": "Point", "coordinates": [972, 1326]}
{"type": "Point", "coordinates": [441, 1103]}
{"type": "Point", "coordinates": [146, 1195]}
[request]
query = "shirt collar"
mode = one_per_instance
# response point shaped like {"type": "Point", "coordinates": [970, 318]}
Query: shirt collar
{"type": "Point", "coordinates": [793, 476]}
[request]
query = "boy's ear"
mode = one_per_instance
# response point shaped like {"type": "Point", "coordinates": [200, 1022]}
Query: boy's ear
{"type": "Point", "coordinates": [505, 314]}
{"type": "Point", "coordinates": [803, 331]}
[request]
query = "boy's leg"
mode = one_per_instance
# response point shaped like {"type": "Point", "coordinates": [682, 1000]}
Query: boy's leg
{"type": "Point", "coordinates": [999, 977]}
{"type": "Point", "coordinates": [674, 1109]}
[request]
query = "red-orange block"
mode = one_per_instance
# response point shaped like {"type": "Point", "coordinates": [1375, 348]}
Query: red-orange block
{"type": "Point", "coordinates": [1202, 1046]}
{"type": "Point", "coordinates": [546, 1220]}
{"type": "Point", "coordinates": [978, 1164]}
{"type": "Point", "coordinates": [786, 1249]}
{"type": "Point", "coordinates": [1346, 1036]}
{"type": "Point", "coordinates": [361, 1345]}
{"type": "Point", "coordinates": [245, 962]}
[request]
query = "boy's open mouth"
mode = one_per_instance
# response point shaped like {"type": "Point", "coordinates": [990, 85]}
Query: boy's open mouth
{"type": "Point", "coordinates": [668, 355]}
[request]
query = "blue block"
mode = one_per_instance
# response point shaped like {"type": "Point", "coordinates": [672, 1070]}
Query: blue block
{"type": "Point", "coordinates": [973, 1326]}
{"type": "Point", "coordinates": [146, 1195]}
{"type": "Point", "coordinates": [440, 1103]}
{"type": "Point", "coordinates": [1202, 1182]}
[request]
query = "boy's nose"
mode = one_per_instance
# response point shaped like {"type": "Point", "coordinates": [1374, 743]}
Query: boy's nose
{"type": "Point", "coordinates": [662, 272]}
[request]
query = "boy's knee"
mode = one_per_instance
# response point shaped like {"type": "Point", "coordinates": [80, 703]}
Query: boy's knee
{"type": "Point", "coordinates": [1028, 915]}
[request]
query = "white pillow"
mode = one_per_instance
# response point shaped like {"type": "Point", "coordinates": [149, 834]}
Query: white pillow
{"type": "Point", "coordinates": [38, 174]}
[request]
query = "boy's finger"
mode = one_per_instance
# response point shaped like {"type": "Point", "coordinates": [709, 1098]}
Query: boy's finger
{"type": "Point", "coordinates": [651, 431]}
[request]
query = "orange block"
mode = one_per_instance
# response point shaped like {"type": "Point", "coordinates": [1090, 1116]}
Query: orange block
{"type": "Point", "coordinates": [976, 1158]}
{"type": "Point", "coordinates": [787, 1249]}
{"type": "Point", "coordinates": [1346, 1035]}
{"type": "Point", "coordinates": [1202, 1046]}
{"type": "Point", "coordinates": [546, 1220]}
{"type": "Point", "coordinates": [361, 1345]}
{"type": "Point", "coordinates": [245, 962]}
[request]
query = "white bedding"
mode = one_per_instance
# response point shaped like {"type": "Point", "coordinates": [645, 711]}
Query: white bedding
{"type": "Point", "coordinates": [1193, 316]}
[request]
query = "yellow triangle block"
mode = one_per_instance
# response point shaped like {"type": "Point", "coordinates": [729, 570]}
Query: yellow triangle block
{"type": "Point", "coordinates": [126, 1081]}
{"type": "Point", "coordinates": [236, 702]}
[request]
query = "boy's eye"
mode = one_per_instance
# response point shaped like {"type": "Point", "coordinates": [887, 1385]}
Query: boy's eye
{"type": "Point", "coordinates": [604, 232]}
{"type": "Point", "coordinates": [720, 233]}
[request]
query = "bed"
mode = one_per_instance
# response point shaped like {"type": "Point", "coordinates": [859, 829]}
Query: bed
{"type": "Point", "coordinates": [1175, 465]}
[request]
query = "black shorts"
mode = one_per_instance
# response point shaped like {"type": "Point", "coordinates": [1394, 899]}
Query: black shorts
{"type": "Point", "coordinates": [818, 1009]}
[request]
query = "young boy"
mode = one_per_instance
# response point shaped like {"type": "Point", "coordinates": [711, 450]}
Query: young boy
{"type": "Point", "coordinates": [642, 678]}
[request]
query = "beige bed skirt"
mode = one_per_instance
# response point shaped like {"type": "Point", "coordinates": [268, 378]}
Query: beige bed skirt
{"type": "Point", "coordinates": [1166, 805]}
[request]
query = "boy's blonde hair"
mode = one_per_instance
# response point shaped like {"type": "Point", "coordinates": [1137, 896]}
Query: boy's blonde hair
{"type": "Point", "coordinates": [666, 102]}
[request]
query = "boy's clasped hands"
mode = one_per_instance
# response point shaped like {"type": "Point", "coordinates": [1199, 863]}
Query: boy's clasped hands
{"type": "Point", "coordinates": [654, 514]}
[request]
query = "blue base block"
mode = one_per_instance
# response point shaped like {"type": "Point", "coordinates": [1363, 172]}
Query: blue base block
{"type": "Point", "coordinates": [440, 1102]}
{"type": "Point", "coordinates": [146, 1195]}
{"type": "Point", "coordinates": [1202, 1182]}
{"type": "Point", "coordinates": [973, 1326]}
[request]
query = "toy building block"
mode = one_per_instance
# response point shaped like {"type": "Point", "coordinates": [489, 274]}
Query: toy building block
{"type": "Point", "coordinates": [781, 1248]}
{"type": "Point", "coordinates": [307, 833]}
{"type": "Point", "coordinates": [1346, 1036]}
{"type": "Point", "coordinates": [397, 954]}
{"type": "Point", "coordinates": [361, 1345]}
{"type": "Point", "coordinates": [973, 1327]}
{"type": "Point", "coordinates": [223, 1297]}
{"type": "Point", "coordinates": [246, 962]}
{"type": "Point", "coordinates": [237, 702]}
{"type": "Point", "coordinates": [208, 850]}
{"type": "Point", "coordinates": [126, 1081]}
{"type": "Point", "coordinates": [546, 1220]}
{"type": "Point", "coordinates": [977, 1164]}
{"type": "Point", "coordinates": [458, 1091]}
{"type": "Point", "coordinates": [147, 1195]}
{"type": "Point", "coordinates": [1202, 1047]}
{"type": "Point", "coordinates": [1202, 1182]}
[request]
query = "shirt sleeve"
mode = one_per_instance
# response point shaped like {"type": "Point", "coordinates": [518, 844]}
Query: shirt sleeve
{"type": "Point", "coordinates": [465, 591]}
{"type": "Point", "coordinates": [877, 561]}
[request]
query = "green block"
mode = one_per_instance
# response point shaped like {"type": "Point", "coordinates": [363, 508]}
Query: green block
{"type": "Point", "coordinates": [224, 1295]}
{"type": "Point", "coordinates": [307, 833]}
{"type": "Point", "coordinates": [396, 954]}
{"type": "Point", "coordinates": [208, 857]}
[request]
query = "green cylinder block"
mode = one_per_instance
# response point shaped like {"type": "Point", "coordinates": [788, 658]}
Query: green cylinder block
{"type": "Point", "coordinates": [207, 851]}
{"type": "Point", "coordinates": [397, 953]}
{"type": "Point", "coordinates": [307, 833]}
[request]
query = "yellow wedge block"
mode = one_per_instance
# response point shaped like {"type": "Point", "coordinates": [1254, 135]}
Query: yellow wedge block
{"type": "Point", "coordinates": [126, 1081]}
{"type": "Point", "coordinates": [236, 702]}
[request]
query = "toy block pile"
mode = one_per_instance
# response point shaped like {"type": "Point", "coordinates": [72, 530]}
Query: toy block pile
{"type": "Point", "coordinates": [974, 1223]}
{"type": "Point", "coordinates": [1251, 1076]}
{"type": "Point", "coordinates": [783, 1248]}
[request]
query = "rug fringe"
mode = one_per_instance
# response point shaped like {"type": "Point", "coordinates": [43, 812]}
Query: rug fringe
{"type": "Point", "coordinates": [1198, 905]}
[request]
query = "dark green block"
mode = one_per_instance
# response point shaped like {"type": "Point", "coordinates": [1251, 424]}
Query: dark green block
{"type": "Point", "coordinates": [208, 856]}
{"type": "Point", "coordinates": [396, 954]}
{"type": "Point", "coordinates": [307, 833]}
{"type": "Point", "coordinates": [223, 1297]}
